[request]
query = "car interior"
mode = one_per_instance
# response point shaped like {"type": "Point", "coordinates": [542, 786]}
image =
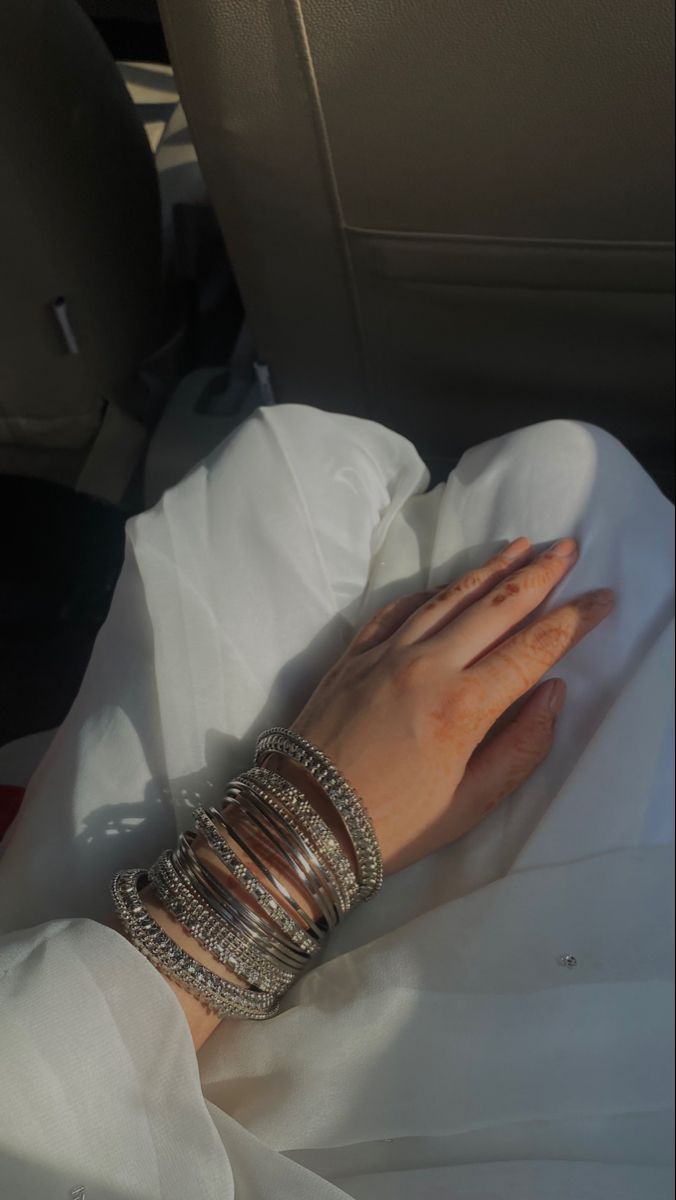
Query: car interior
{"type": "Point", "coordinates": [451, 218]}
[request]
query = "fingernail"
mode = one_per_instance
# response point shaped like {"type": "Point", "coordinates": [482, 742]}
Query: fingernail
{"type": "Point", "coordinates": [516, 549]}
{"type": "Point", "coordinates": [565, 548]}
{"type": "Point", "coordinates": [556, 695]}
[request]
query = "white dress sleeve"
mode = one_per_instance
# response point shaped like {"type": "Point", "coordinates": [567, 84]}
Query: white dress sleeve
{"type": "Point", "coordinates": [100, 1087]}
{"type": "Point", "coordinates": [499, 1020]}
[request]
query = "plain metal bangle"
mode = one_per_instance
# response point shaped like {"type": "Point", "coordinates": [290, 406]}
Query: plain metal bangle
{"type": "Point", "coordinates": [284, 832]}
{"type": "Point", "coordinates": [288, 831]}
{"type": "Point", "coordinates": [206, 822]}
{"type": "Point", "coordinates": [224, 902]}
{"type": "Point", "coordinates": [228, 906]}
{"type": "Point", "coordinates": [342, 795]}
{"type": "Point", "coordinates": [257, 816]}
{"type": "Point", "coordinates": [296, 808]}
{"type": "Point", "coordinates": [231, 911]}
{"type": "Point", "coordinates": [322, 836]}
{"type": "Point", "coordinates": [226, 943]}
{"type": "Point", "coordinates": [238, 838]}
{"type": "Point", "coordinates": [325, 891]}
{"type": "Point", "coordinates": [311, 927]}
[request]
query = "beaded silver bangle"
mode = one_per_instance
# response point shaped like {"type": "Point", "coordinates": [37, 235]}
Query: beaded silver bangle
{"type": "Point", "coordinates": [355, 818]}
{"type": "Point", "coordinates": [260, 823]}
{"type": "Point", "coordinates": [227, 905]}
{"type": "Point", "coordinates": [268, 937]}
{"type": "Point", "coordinates": [205, 823]}
{"type": "Point", "coordinates": [224, 998]}
{"type": "Point", "coordinates": [225, 942]}
{"type": "Point", "coordinates": [284, 836]}
{"type": "Point", "coordinates": [326, 844]}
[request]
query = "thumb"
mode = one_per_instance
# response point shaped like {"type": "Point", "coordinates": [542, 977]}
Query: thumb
{"type": "Point", "coordinates": [509, 758]}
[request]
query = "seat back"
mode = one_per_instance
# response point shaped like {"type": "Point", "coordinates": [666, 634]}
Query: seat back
{"type": "Point", "coordinates": [455, 217]}
{"type": "Point", "coordinates": [80, 249]}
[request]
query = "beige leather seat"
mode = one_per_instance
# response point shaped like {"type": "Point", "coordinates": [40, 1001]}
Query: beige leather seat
{"type": "Point", "coordinates": [80, 253]}
{"type": "Point", "coordinates": [453, 216]}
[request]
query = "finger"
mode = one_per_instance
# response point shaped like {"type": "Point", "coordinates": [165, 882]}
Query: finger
{"type": "Point", "coordinates": [502, 764]}
{"type": "Point", "coordinates": [388, 620]}
{"type": "Point", "coordinates": [449, 601]}
{"type": "Point", "coordinates": [494, 615]}
{"type": "Point", "coordinates": [516, 665]}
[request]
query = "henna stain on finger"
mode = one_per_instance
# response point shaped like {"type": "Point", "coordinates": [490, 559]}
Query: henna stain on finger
{"type": "Point", "coordinates": [458, 718]}
{"type": "Point", "coordinates": [440, 599]}
{"type": "Point", "coordinates": [511, 589]}
{"type": "Point", "coordinates": [445, 594]}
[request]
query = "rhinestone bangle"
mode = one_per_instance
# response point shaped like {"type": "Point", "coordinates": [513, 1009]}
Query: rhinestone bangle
{"type": "Point", "coordinates": [205, 823]}
{"type": "Point", "coordinates": [259, 822]}
{"type": "Point", "coordinates": [228, 906]}
{"type": "Point", "coordinates": [224, 941]}
{"type": "Point", "coordinates": [295, 808]}
{"type": "Point", "coordinates": [291, 843]}
{"type": "Point", "coordinates": [224, 998]}
{"type": "Point", "coordinates": [261, 932]}
{"type": "Point", "coordinates": [355, 818]}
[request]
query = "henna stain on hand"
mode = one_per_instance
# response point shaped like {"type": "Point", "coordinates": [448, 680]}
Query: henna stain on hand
{"type": "Point", "coordinates": [511, 589]}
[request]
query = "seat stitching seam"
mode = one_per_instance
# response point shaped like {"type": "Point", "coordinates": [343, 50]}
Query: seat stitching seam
{"type": "Point", "coordinates": [297, 21]}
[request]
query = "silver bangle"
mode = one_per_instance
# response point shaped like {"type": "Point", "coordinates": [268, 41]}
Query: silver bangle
{"type": "Point", "coordinates": [304, 919]}
{"type": "Point", "coordinates": [297, 807]}
{"type": "Point", "coordinates": [291, 844]}
{"type": "Point", "coordinates": [224, 941]}
{"type": "Point", "coordinates": [322, 876]}
{"type": "Point", "coordinates": [205, 823]}
{"type": "Point", "coordinates": [355, 818]}
{"type": "Point", "coordinates": [266, 944]}
{"type": "Point", "coordinates": [226, 999]}
{"type": "Point", "coordinates": [226, 905]}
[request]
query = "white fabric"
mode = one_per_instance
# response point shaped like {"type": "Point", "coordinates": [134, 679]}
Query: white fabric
{"type": "Point", "coordinates": [440, 1050]}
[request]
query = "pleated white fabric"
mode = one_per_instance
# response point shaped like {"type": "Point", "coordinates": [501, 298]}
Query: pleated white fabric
{"type": "Point", "coordinates": [440, 1050]}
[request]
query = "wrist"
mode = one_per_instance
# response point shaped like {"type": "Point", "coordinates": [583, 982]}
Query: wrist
{"type": "Point", "coordinates": [279, 850]}
{"type": "Point", "coordinates": [202, 1021]}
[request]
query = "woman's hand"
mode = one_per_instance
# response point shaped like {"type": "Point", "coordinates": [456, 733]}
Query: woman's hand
{"type": "Point", "coordinates": [405, 711]}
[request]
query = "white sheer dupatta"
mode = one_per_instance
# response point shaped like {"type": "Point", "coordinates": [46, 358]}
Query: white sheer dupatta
{"type": "Point", "coordinates": [441, 1049]}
